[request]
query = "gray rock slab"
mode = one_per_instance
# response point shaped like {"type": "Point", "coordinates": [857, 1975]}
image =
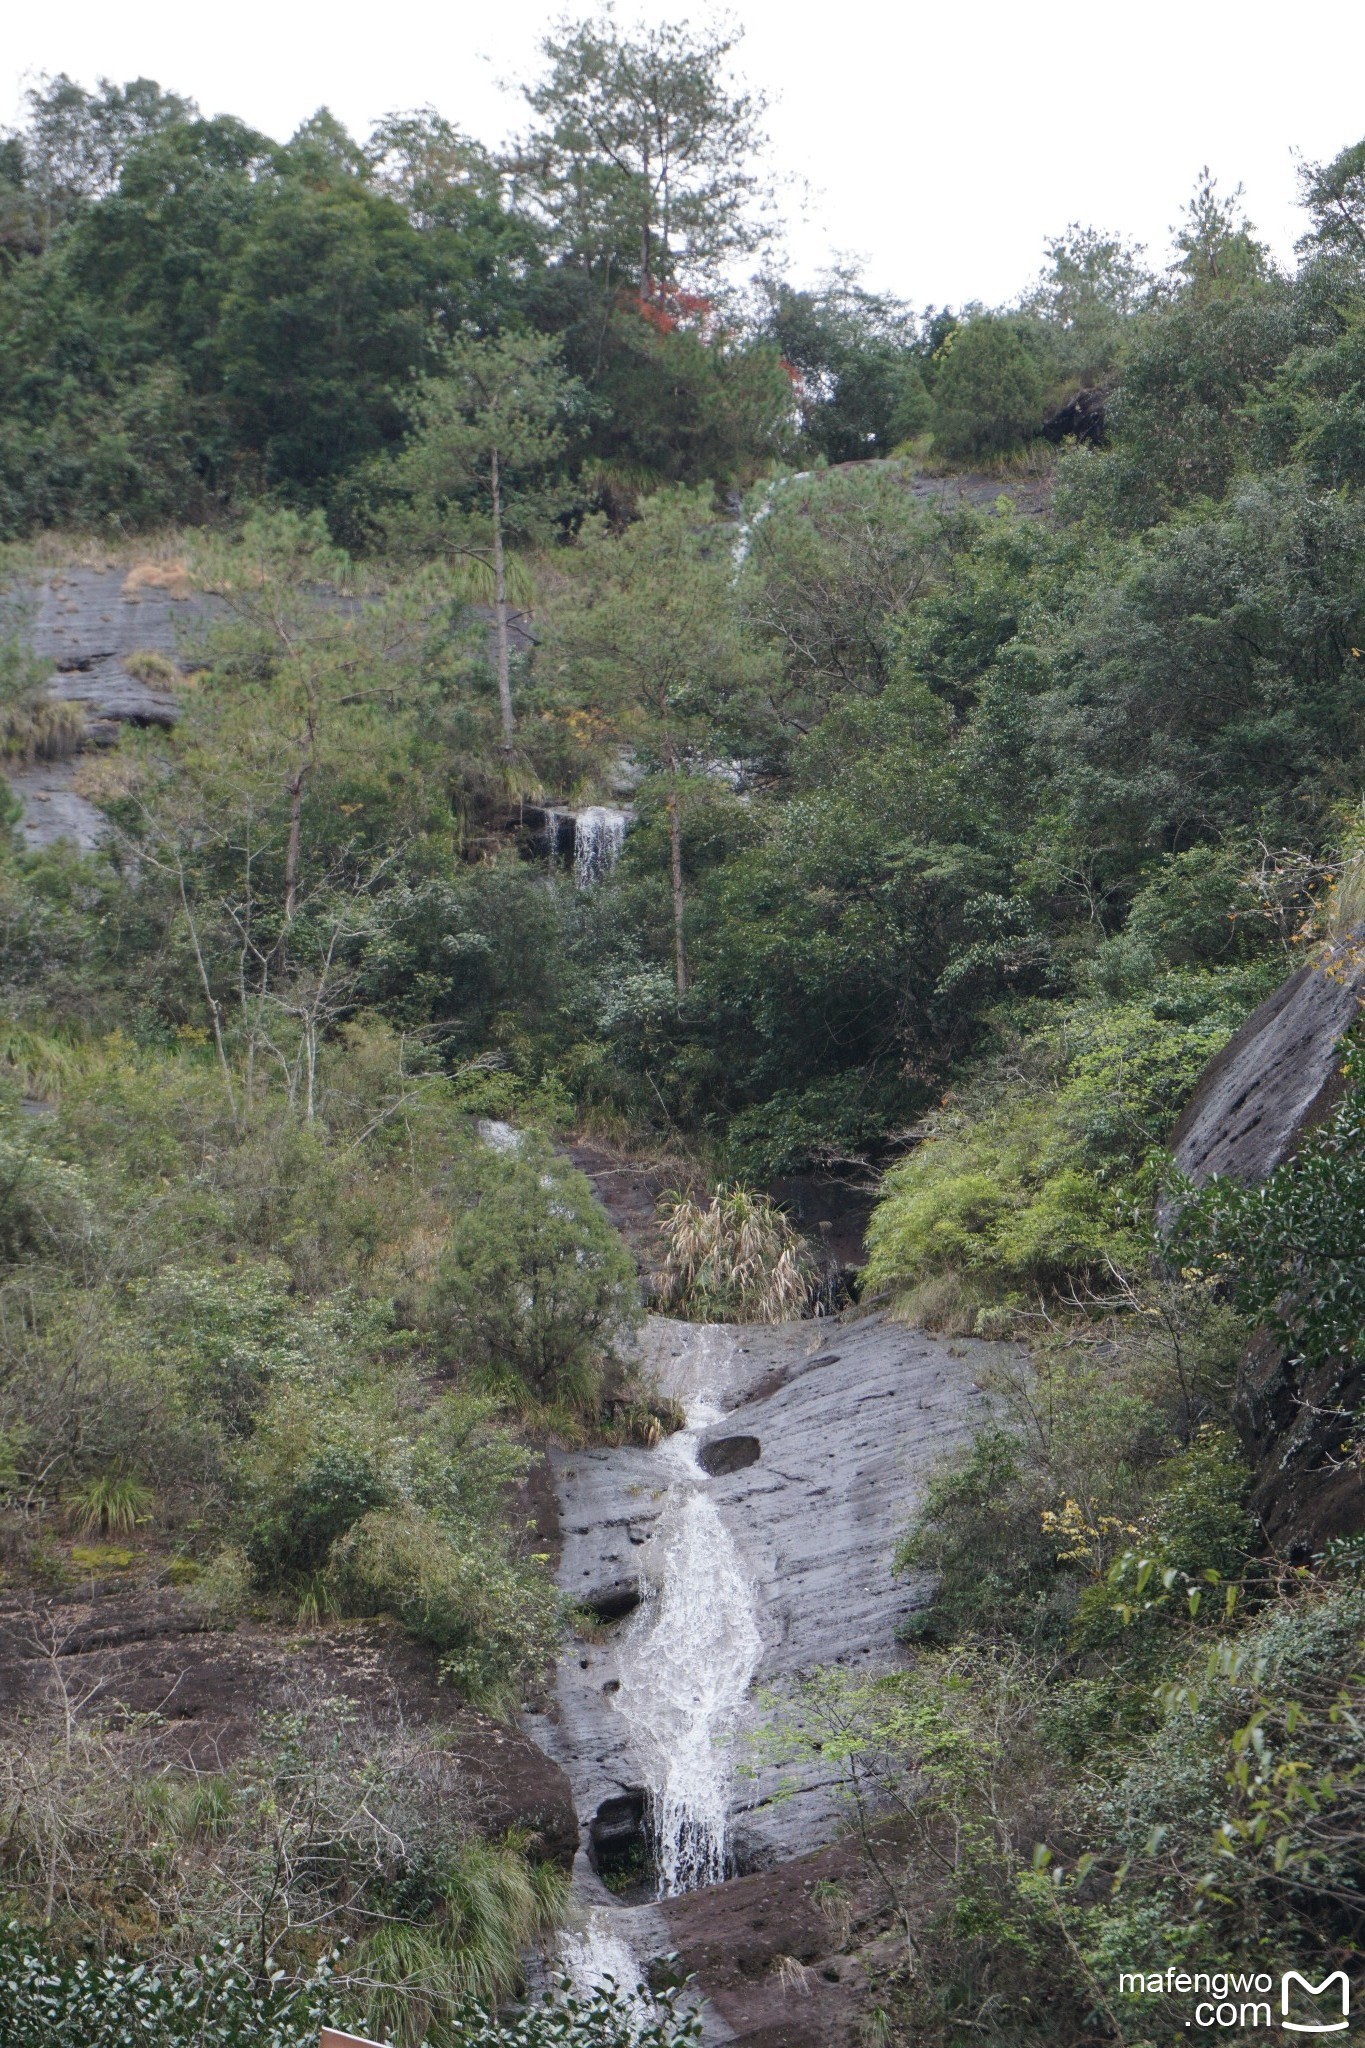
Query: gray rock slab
{"type": "Point", "coordinates": [79, 615]}
{"type": "Point", "coordinates": [1277, 1076]}
{"type": "Point", "coordinates": [85, 623]}
{"type": "Point", "coordinates": [852, 1417]}
{"type": "Point", "coordinates": [52, 808]}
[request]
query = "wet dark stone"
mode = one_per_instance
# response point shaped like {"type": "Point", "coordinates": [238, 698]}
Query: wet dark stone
{"type": "Point", "coordinates": [620, 1847]}
{"type": "Point", "coordinates": [1082, 418]}
{"type": "Point", "coordinates": [615, 1599]}
{"type": "Point", "coordinates": [728, 1454]}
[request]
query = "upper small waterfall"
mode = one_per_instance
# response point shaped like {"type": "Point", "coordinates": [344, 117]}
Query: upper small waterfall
{"type": "Point", "coordinates": [598, 836]}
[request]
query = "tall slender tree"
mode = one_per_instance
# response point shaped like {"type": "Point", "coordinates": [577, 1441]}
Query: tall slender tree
{"type": "Point", "coordinates": [643, 157]}
{"type": "Point", "coordinates": [650, 635]}
{"type": "Point", "coordinates": [477, 471]}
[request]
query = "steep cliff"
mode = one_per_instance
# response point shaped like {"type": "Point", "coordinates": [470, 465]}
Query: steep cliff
{"type": "Point", "coordinates": [1278, 1078]}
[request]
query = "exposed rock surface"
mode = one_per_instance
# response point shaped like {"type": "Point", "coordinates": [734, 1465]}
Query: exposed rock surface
{"type": "Point", "coordinates": [1277, 1077]}
{"type": "Point", "coordinates": [87, 623]}
{"type": "Point", "coordinates": [849, 1416]}
{"type": "Point", "coordinates": [1273, 1082]}
{"type": "Point", "coordinates": [153, 1654]}
{"type": "Point", "coordinates": [774, 1967]}
{"type": "Point", "coordinates": [54, 808]}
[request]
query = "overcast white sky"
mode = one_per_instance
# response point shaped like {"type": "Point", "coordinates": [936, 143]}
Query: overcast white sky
{"type": "Point", "coordinates": [942, 142]}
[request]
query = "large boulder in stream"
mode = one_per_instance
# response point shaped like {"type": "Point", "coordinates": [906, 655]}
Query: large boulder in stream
{"type": "Point", "coordinates": [1273, 1082]}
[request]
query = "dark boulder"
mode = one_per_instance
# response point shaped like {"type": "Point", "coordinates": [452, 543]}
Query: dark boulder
{"type": "Point", "coordinates": [620, 1845]}
{"type": "Point", "coordinates": [728, 1454]}
{"type": "Point", "coordinates": [613, 1600]}
{"type": "Point", "coordinates": [1080, 419]}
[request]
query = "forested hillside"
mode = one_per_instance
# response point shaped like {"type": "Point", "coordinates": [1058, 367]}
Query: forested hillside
{"type": "Point", "coordinates": [979, 699]}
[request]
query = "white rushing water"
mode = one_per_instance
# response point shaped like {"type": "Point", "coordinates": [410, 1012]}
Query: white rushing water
{"type": "Point", "coordinates": [596, 1957]}
{"type": "Point", "coordinates": [599, 834]}
{"type": "Point", "coordinates": [554, 824]}
{"type": "Point", "coordinates": [498, 1136]}
{"type": "Point", "coordinates": [686, 1666]}
{"type": "Point", "coordinates": [748, 526]}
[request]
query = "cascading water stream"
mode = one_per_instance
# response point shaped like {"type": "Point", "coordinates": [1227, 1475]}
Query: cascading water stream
{"type": "Point", "coordinates": [686, 1667]}
{"type": "Point", "coordinates": [599, 834]}
{"type": "Point", "coordinates": [596, 1956]}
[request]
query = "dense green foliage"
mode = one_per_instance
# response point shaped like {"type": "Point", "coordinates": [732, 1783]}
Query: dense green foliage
{"type": "Point", "coordinates": [960, 839]}
{"type": "Point", "coordinates": [1293, 1248]}
{"type": "Point", "coordinates": [216, 2004]}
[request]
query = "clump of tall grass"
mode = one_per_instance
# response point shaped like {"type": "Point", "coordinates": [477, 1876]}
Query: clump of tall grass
{"type": "Point", "coordinates": [40, 729]}
{"type": "Point", "coordinates": [492, 1904]}
{"type": "Point", "coordinates": [733, 1259]}
{"type": "Point", "coordinates": [110, 1503]}
{"type": "Point", "coordinates": [33, 726]}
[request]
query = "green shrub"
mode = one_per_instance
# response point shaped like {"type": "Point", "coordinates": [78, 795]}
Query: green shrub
{"type": "Point", "coordinates": [1091, 1465]}
{"type": "Point", "coordinates": [1189, 1554]}
{"type": "Point", "coordinates": [493, 1620]}
{"type": "Point", "coordinates": [292, 1531]}
{"type": "Point", "coordinates": [1238, 1818]}
{"type": "Point", "coordinates": [988, 395]}
{"type": "Point", "coordinates": [52, 2002]}
{"type": "Point", "coordinates": [487, 1907]}
{"type": "Point", "coordinates": [1292, 1249]}
{"type": "Point", "coordinates": [535, 1289]}
{"type": "Point", "coordinates": [45, 1205]}
{"type": "Point", "coordinates": [1048, 1166]}
{"type": "Point", "coordinates": [110, 1502]}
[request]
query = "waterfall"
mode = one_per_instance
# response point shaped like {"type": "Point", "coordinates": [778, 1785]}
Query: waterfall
{"type": "Point", "coordinates": [497, 1135]}
{"type": "Point", "coordinates": [686, 1667]}
{"type": "Point", "coordinates": [595, 1957]}
{"type": "Point", "coordinates": [744, 532]}
{"type": "Point", "coordinates": [598, 836]}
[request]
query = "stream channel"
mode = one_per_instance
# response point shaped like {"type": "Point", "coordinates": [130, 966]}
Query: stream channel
{"type": "Point", "coordinates": [753, 1545]}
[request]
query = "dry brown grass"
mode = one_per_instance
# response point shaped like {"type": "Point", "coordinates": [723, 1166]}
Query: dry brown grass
{"type": "Point", "coordinates": [735, 1258]}
{"type": "Point", "coordinates": [40, 729]}
{"type": "Point", "coordinates": [150, 574]}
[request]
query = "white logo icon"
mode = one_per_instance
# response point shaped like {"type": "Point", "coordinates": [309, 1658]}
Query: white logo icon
{"type": "Point", "coordinates": [1315, 1991]}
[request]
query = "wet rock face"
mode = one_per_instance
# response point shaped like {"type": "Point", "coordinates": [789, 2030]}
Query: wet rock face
{"type": "Point", "coordinates": [851, 1418]}
{"type": "Point", "coordinates": [1272, 1083]}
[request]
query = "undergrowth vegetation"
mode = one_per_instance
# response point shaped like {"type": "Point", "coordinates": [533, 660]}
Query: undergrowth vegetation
{"type": "Point", "coordinates": [579, 737]}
